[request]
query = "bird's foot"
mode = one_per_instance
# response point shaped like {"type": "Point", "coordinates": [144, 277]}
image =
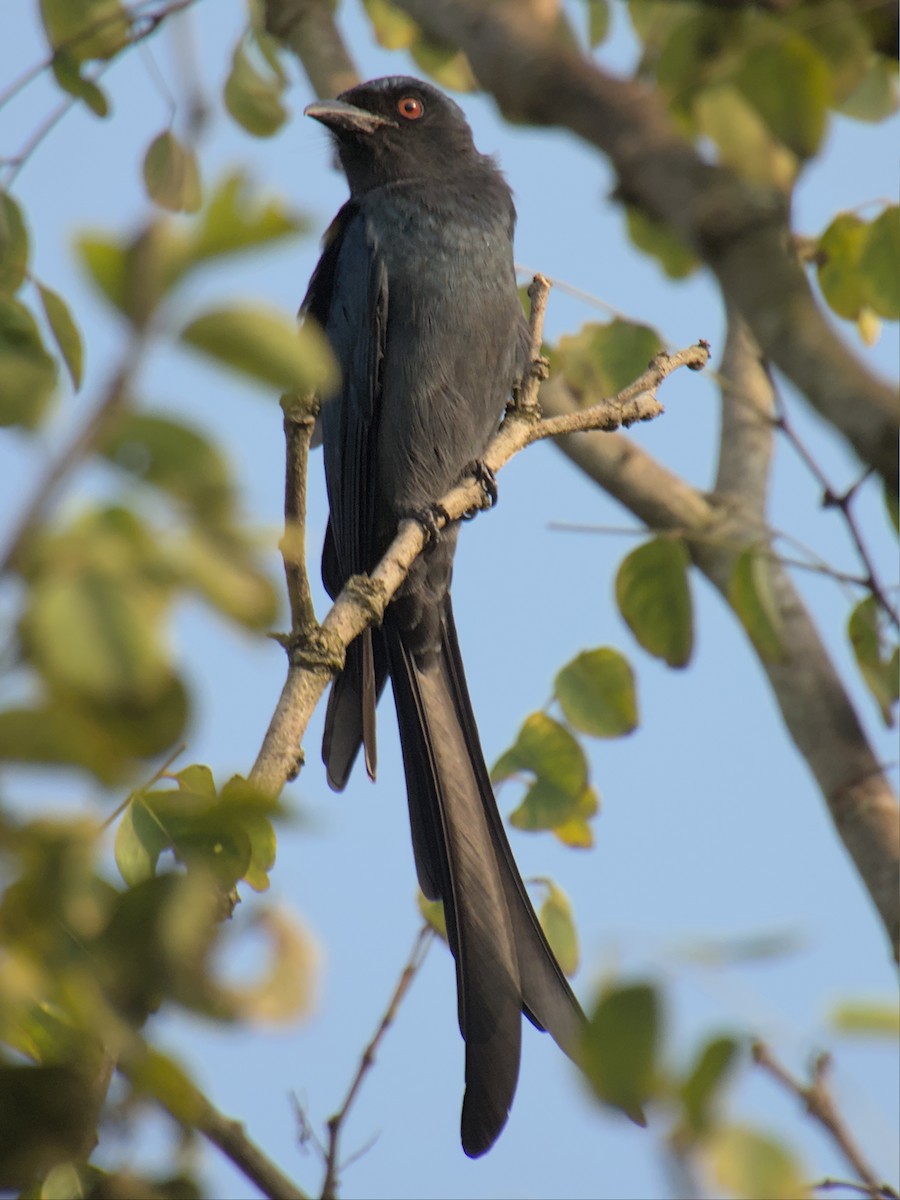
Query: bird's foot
{"type": "Point", "coordinates": [428, 518]}
{"type": "Point", "coordinates": [486, 478]}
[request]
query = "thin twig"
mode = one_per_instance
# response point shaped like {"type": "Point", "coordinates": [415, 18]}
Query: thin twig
{"type": "Point", "coordinates": [831, 498]}
{"type": "Point", "coordinates": [299, 421]}
{"type": "Point", "coordinates": [820, 1105]}
{"type": "Point", "coordinates": [336, 1123]}
{"type": "Point", "coordinates": [833, 1185]}
{"type": "Point", "coordinates": [231, 1138]}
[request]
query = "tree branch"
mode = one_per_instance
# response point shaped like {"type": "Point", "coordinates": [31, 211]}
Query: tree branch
{"type": "Point", "coordinates": [741, 235]}
{"type": "Point", "coordinates": [307, 27]}
{"type": "Point", "coordinates": [820, 1105]}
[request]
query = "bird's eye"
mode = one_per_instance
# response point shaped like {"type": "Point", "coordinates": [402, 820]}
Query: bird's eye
{"type": "Point", "coordinates": [410, 107]}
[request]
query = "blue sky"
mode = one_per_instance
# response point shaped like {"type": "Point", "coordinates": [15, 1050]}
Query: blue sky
{"type": "Point", "coordinates": [711, 825]}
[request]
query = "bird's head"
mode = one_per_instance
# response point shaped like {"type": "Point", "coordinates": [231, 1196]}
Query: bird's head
{"type": "Point", "coordinates": [394, 129]}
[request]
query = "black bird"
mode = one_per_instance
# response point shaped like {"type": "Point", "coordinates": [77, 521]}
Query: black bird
{"type": "Point", "coordinates": [416, 292]}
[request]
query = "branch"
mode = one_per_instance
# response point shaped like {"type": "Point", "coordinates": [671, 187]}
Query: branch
{"type": "Point", "coordinates": [314, 660]}
{"type": "Point", "coordinates": [814, 703]}
{"type": "Point", "coordinates": [307, 27]}
{"type": "Point", "coordinates": [336, 1123]}
{"type": "Point", "coordinates": [739, 233]}
{"type": "Point", "coordinates": [820, 1105]}
{"type": "Point", "coordinates": [231, 1138]}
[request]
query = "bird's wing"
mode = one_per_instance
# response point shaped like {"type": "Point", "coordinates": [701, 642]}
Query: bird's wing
{"type": "Point", "coordinates": [348, 296]}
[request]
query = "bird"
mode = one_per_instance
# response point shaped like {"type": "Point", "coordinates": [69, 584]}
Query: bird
{"type": "Point", "coordinates": [416, 292]}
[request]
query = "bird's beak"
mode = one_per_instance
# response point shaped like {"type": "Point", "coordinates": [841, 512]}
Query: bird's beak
{"type": "Point", "coordinates": [342, 117]}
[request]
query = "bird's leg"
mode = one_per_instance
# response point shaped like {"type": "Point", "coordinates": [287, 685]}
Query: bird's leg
{"type": "Point", "coordinates": [488, 482]}
{"type": "Point", "coordinates": [428, 517]}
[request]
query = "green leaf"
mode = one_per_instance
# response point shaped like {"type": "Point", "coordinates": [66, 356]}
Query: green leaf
{"type": "Point", "coordinates": [600, 360]}
{"type": "Point", "coordinates": [59, 734]}
{"type": "Point", "coordinates": [171, 174]}
{"type": "Point", "coordinates": [140, 839]}
{"type": "Point", "coordinates": [577, 831]}
{"type": "Point", "coordinates": [596, 693]}
{"type": "Point", "coordinates": [877, 95]}
{"type": "Point", "coordinates": [753, 1166]}
{"type": "Point", "coordinates": [160, 1076]}
{"type": "Point", "coordinates": [233, 221]}
{"type": "Point", "coordinates": [892, 505]}
{"type": "Point", "coordinates": [27, 372]}
{"type": "Point", "coordinates": [67, 72]}
{"type": "Point", "coordinates": [135, 277]}
{"type": "Point", "coordinates": [44, 1120]}
{"type": "Point", "coordinates": [392, 27]}
{"type": "Point", "coordinates": [653, 237]}
{"type": "Point", "coordinates": [265, 345]}
{"type": "Point", "coordinates": [844, 44]}
{"type": "Point", "coordinates": [744, 141]}
{"type": "Point", "coordinates": [788, 84]}
{"type": "Point", "coordinates": [867, 1018]}
{"type": "Point", "coordinates": [621, 1045]}
{"type": "Point", "coordinates": [838, 264]}
{"type": "Point", "coordinates": [709, 1071]}
{"type": "Point", "coordinates": [433, 912]}
{"type": "Point", "coordinates": [545, 806]}
{"type": "Point", "coordinates": [555, 915]}
{"type": "Point", "coordinates": [253, 99]}
{"type": "Point", "coordinates": [750, 595]}
{"type": "Point", "coordinates": [877, 664]}
{"type": "Point", "coordinates": [227, 575]}
{"type": "Point", "coordinates": [180, 461]}
{"type": "Point", "coordinates": [447, 65]}
{"type": "Point", "coordinates": [85, 29]}
{"type": "Point", "coordinates": [65, 332]}
{"type": "Point", "coordinates": [13, 245]}
{"type": "Point", "coordinates": [547, 749]}
{"type": "Point", "coordinates": [598, 22]}
{"type": "Point", "coordinates": [879, 263]}
{"type": "Point", "coordinates": [253, 809]}
{"type": "Point", "coordinates": [654, 597]}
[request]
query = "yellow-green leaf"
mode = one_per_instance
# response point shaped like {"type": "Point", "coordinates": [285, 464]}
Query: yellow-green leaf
{"type": "Point", "coordinates": [140, 839]}
{"type": "Point", "coordinates": [745, 142]}
{"type": "Point", "coordinates": [879, 263]}
{"type": "Point", "coordinates": [27, 372]}
{"type": "Point", "coordinates": [545, 806]}
{"type": "Point", "coordinates": [392, 27]}
{"type": "Point", "coordinates": [171, 174]}
{"type": "Point", "coordinates": [601, 359]}
{"type": "Point", "coordinates": [867, 1018]}
{"type": "Point", "coordinates": [750, 1165]}
{"type": "Point", "coordinates": [447, 65]}
{"type": "Point", "coordinates": [555, 915]}
{"type": "Point", "coordinates": [653, 237]}
{"type": "Point", "coordinates": [598, 22]}
{"type": "Point", "coordinates": [266, 345]}
{"type": "Point", "coordinates": [547, 749]}
{"type": "Point", "coordinates": [67, 72]}
{"type": "Point", "coordinates": [788, 84]}
{"type": "Point", "coordinates": [596, 692]}
{"type": "Point", "coordinates": [750, 595]}
{"type": "Point", "coordinates": [85, 28]}
{"type": "Point", "coordinates": [877, 95]}
{"type": "Point", "coordinates": [433, 912]}
{"type": "Point", "coordinates": [877, 662]}
{"type": "Point", "coordinates": [65, 332]}
{"type": "Point", "coordinates": [654, 597]}
{"type": "Point", "coordinates": [234, 220]}
{"type": "Point", "coordinates": [226, 573]}
{"type": "Point", "coordinates": [838, 263]}
{"type": "Point", "coordinates": [253, 99]}
{"type": "Point", "coordinates": [706, 1076]}
{"type": "Point", "coordinates": [621, 1045]}
{"type": "Point", "coordinates": [162, 1077]}
{"type": "Point", "coordinates": [13, 245]}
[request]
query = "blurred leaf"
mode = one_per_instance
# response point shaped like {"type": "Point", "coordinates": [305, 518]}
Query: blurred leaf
{"type": "Point", "coordinates": [691, 50]}
{"type": "Point", "coordinates": [171, 174]}
{"type": "Point", "coordinates": [160, 1076]}
{"type": "Point", "coordinates": [142, 726]}
{"type": "Point", "coordinates": [547, 749]}
{"type": "Point", "coordinates": [162, 451]}
{"type": "Point", "coordinates": [788, 84]}
{"type": "Point", "coordinates": [234, 220]}
{"type": "Point", "coordinates": [704, 1079]}
{"type": "Point", "coordinates": [577, 831]}
{"type": "Point", "coordinates": [555, 915]}
{"type": "Point", "coordinates": [596, 693]}
{"type": "Point", "coordinates": [745, 143]}
{"type": "Point", "coordinates": [879, 263]}
{"type": "Point", "coordinates": [47, 1118]}
{"type": "Point", "coordinates": [433, 912]}
{"type": "Point", "coordinates": [750, 595]}
{"type": "Point", "coordinates": [753, 947]}
{"type": "Point", "coordinates": [840, 250]}
{"type": "Point", "coordinates": [545, 806]}
{"type": "Point", "coordinates": [85, 29]}
{"type": "Point", "coordinates": [598, 22]}
{"type": "Point", "coordinates": [136, 276]}
{"type": "Point", "coordinates": [877, 665]}
{"type": "Point", "coordinates": [843, 43]}
{"type": "Point", "coordinates": [13, 245]}
{"type": "Point", "coordinates": [392, 27]}
{"type": "Point", "coordinates": [447, 65]}
{"type": "Point", "coordinates": [868, 326]}
{"type": "Point", "coordinates": [653, 237]}
{"type": "Point", "coordinates": [285, 989]}
{"type": "Point", "coordinates": [654, 597]}
{"type": "Point", "coordinates": [224, 572]}
{"type": "Point", "coordinates": [254, 99]}
{"type": "Point", "coordinates": [67, 72]}
{"type": "Point", "coordinates": [877, 95]}
{"type": "Point", "coordinates": [253, 809]}
{"type": "Point", "coordinates": [199, 779]}
{"type": "Point", "coordinates": [27, 372]}
{"type": "Point", "coordinates": [867, 1018]}
{"type": "Point", "coordinates": [140, 840]}
{"type": "Point", "coordinates": [600, 360]}
{"type": "Point", "coordinates": [892, 505]}
{"type": "Point", "coordinates": [621, 1045]}
{"type": "Point", "coordinates": [65, 332]}
{"type": "Point", "coordinates": [752, 1166]}
{"type": "Point", "coordinates": [266, 345]}
{"type": "Point", "coordinates": [56, 734]}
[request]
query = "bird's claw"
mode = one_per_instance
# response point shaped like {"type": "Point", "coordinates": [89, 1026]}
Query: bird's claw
{"type": "Point", "coordinates": [428, 518]}
{"type": "Point", "coordinates": [487, 480]}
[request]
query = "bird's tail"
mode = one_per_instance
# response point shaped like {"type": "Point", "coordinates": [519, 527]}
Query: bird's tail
{"type": "Point", "coordinates": [504, 965]}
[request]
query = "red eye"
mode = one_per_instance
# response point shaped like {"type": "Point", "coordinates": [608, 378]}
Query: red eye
{"type": "Point", "coordinates": [410, 107]}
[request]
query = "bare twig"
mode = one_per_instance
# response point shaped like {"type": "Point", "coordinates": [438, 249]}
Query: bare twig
{"type": "Point", "coordinates": [336, 1123]}
{"type": "Point", "coordinates": [820, 1105]}
{"type": "Point", "coordinates": [833, 1185]}
{"type": "Point", "coordinates": [231, 1138]}
{"type": "Point", "coordinates": [299, 421]}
